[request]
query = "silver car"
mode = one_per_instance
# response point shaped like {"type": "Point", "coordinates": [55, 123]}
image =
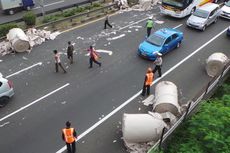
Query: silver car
{"type": "Point", "coordinates": [204, 16]}
{"type": "Point", "coordinates": [6, 90]}
{"type": "Point", "coordinates": [225, 10]}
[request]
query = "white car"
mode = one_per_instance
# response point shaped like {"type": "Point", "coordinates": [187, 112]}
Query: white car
{"type": "Point", "coordinates": [6, 90]}
{"type": "Point", "coordinates": [225, 10]}
{"type": "Point", "coordinates": [204, 16]}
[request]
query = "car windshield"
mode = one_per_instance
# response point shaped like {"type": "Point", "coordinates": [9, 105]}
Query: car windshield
{"type": "Point", "coordinates": [156, 40]}
{"type": "Point", "coordinates": [177, 3]}
{"type": "Point", "coordinates": [228, 3]}
{"type": "Point", "coordinates": [201, 13]}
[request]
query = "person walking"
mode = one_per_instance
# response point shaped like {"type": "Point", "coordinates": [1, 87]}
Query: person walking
{"type": "Point", "coordinates": [107, 22]}
{"type": "Point", "coordinates": [93, 57]}
{"type": "Point", "coordinates": [149, 25]}
{"type": "Point", "coordinates": [69, 135]}
{"type": "Point", "coordinates": [70, 50]}
{"type": "Point", "coordinates": [58, 61]}
{"type": "Point", "coordinates": [158, 64]}
{"type": "Point", "coordinates": [148, 81]}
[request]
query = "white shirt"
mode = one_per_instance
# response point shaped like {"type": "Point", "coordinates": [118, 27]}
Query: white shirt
{"type": "Point", "coordinates": [158, 61]}
{"type": "Point", "coordinates": [57, 58]}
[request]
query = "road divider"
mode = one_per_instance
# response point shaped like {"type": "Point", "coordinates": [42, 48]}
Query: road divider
{"type": "Point", "coordinates": [34, 102]}
{"type": "Point", "coordinates": [38, 64]}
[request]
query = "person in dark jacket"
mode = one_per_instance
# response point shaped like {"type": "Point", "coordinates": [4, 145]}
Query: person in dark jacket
{"type": "Point", "coordinates": [93, 57]}
{"type": "Point", "coordinates": [107, 22]}
{"type": "Point", "coordinates": [70, 50]}
{"type": "Point", "coordinates": [69, 135]}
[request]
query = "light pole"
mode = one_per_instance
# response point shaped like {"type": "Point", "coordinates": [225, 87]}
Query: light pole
{"type": "Point", "coordinates": [41, 3]}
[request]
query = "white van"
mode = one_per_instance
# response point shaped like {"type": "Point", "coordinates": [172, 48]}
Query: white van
{"type": "Point", "coordinates": [204, 16]}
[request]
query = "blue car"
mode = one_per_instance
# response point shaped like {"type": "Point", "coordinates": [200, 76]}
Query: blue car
{"type": "Point", "coordinates": [228, 31]}
{"type": "Point", "coordinates": [162, 41]}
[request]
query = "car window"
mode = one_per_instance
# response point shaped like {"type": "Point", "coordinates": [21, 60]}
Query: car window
{"type": "Point", "coordinates": [174, 36]}
{"type": "Point", "coordinates": [201, 13]}
{"type": "Point", "coordinates": [168, 40]}
{"type": "Point", "coordinates": [0, 84]}
{"type": "Point", "coordinates": [227, 3]}
{"type": "Point", "coordinates": [156, 40]}
{"type": "Point", "coordinates": [211, 14]}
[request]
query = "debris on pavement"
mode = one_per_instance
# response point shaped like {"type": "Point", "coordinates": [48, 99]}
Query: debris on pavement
{"type": "Point", "coordinates": [19, 41]}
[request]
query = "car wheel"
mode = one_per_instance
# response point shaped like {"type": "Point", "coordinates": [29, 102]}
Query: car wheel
{"type": "Point", "coordinates": [3, 101]}
{"type": "Point", "coordinates": [204, 28]}
{"type": "Point", "coordinates": [178, 45]}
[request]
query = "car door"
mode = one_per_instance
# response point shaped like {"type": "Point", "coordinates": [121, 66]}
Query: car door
{"type": "Point", "coordinates": [167, 45]}
{"type": "Point", "coordinates": [175, 40]}
{"type": "Point", "coordinates": [211, 17]}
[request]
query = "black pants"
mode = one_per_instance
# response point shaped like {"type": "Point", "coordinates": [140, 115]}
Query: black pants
{"type": "Point", "coordinates": [157, 68]}
{"type": "Point", "coordinates": [71, 147]}
{"type": "Point", "coordinates": [70, 57]}
{"type": "Point", "coordinates": [144, 90]}
{"type": "Point", "coordinates": [91, 60]}
{"type": "Point", "coordinates": [59, 64]}
{"type": "Point", "coordinates": [107, 23]}
{"type": "Point", "coordinates": [148, 31]}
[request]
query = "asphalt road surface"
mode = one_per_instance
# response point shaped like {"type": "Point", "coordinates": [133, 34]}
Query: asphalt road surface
{"type": "Point", "coordinates": [48, 5]}
{"type": "Point", "coordinates": [95, 99]}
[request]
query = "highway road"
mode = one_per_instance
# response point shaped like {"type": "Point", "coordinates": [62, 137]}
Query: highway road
{"type": "Point", "coordinates": [48, 5]}
{"type": "Point", "coordinates": [95, 99]}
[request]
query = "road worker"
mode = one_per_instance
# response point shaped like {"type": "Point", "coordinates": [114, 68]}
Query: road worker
{"type": "Point", "coordinates": [158, 64]}
{"type": "Point", "coordinates": [148, 81]}
{"type": "Point", "coordinates": [69, 135]}
{"type": "Point", "coordinates": [149, 25]}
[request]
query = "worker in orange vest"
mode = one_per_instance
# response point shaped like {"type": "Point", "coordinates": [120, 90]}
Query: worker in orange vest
{"type": "Point", "coordinates": [69, 135]}
{"type": "Point", "coordinates": [148, 81]}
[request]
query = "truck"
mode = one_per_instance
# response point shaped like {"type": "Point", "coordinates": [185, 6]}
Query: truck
{"type": "Point", "coordinates": [11, 6]}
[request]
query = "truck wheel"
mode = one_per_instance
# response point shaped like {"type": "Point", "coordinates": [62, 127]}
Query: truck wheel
{"type": "Point", "coordinates": [11, 12]}
{"type": "Point", "coordinates": [28, 8]}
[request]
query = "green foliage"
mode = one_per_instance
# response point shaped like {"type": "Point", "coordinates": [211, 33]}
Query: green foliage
{"type": "Point", "coordinates": [69, 13]}
{"type": "Point", "coordinates": [50, 18]}
{"type": "Point", "coordinates": [79, 9]}
{"type": "Point", "coordinates": [88, 7]}
{"type": "Point", "coordinates": [4, 28]}
{"type": "Point", "coordinates": [96, 4]}
{"type": "Point", "coordinates": [208, 131]}
{"type": "Point", "coordinates": [29, 18]}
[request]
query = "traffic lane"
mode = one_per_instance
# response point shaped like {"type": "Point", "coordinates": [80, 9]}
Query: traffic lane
{"type": "Point", "coordinates": [85, 100]}
{"type": "Point", "coordinates": [49, 5]}
{"type": "Point", "coordinates": [190, 77]}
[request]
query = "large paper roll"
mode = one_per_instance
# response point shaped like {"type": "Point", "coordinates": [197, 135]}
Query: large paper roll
{"type": "Point", "coordinates": [166, 98]}
{"type": "Point", "coordinates": [216, 63]}
{"type": "Point", "coordinates": [138, 128]}
{"type": "Point", "coordinates": [18, 40]}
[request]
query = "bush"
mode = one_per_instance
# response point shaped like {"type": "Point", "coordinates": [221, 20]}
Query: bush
{"type": "Point", "coordinates": [29, 18]}
{"type": "Point", "coordinates": [88, 7]}
{"type": "Point", "coordinates": [96, 4]}
{"type": "Point", "coordinates": [50, 18]}
{"type": "Point", "coordinates": [4, 28]}
{"type": "Point", "coordinates": [79, 9]}
{"type": "Point", "coordinates": [69, 13]}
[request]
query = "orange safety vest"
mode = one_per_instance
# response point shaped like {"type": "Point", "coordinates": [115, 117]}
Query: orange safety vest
{"type": "Point", "coordinates": [149, 79]}
{"type": "Point", "coordinates": [68, 134]}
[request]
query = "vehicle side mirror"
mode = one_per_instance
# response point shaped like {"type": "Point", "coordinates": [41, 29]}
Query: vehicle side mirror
{"type": "Point", "coordinates": [1, 75]}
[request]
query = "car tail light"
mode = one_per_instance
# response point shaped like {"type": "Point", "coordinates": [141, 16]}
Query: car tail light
{"type": "Point", "coordinates": [10, 83]}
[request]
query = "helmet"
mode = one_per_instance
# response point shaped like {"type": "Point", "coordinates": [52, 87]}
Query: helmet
{"type": "Point", "coordinates": [149, 70]}
{"type": "Point", "coordinates": [150, 18]}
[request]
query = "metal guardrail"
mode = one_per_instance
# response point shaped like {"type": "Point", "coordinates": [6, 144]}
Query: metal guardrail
{"type": "Point", "coordinates": [204, 93]}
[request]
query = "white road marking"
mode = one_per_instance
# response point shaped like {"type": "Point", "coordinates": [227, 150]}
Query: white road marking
{"type": "Point", "coordinates": [54, 3]}
{"type": "Point", "coordinates": [40, 63]}
{"type": "Point", "coordinates": [178, 26]}
{"type": "Point", "coordinates": [34, 102]}
{"type": "Point", "coordinates": [4, 124]}
{"type": "Point", "coordinates": [139, 92]}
